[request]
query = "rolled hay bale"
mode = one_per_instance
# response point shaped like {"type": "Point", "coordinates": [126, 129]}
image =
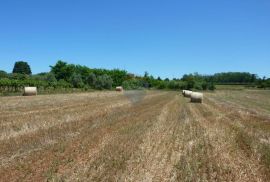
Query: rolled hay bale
{"type": "Point", "coordinates": [196, 97]}
{"type": "Point", "coordinates": [187, 93]}
{"type": "Point", "coordinates": [183, 92]}
{"type": "Point", "coordinates": [119, 89]}
{"type": "Point", "coordinates": [30, 91]}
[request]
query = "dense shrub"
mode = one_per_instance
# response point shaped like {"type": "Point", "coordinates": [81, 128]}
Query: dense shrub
{"type": "Point", "coordinates": [133, 84]}
{"type": "Point", "coordinates": [3, 74]}
{"type": "Point", "coordinates": [76, 80]}
{"type": "Point", "coordinates": [91, 80]}
{"type": "Point", "coordinates": [103, 82]}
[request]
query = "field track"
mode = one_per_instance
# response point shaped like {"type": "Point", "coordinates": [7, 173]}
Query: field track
{"type": "Point", "coordinates": [136, 136]}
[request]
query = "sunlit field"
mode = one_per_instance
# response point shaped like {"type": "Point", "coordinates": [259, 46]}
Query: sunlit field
{"type": "Point", "coordinates": [136, 136]}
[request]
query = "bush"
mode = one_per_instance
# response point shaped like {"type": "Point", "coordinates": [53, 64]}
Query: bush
{"type": "Point", "coordinates": [132, 84]}
{"type": "Point", "coordinates": [63, 84]}
{"type": "Point", "coordinates": [104, 82]}
{"type": "Point", "coordinates": [18, 76]}
{"type": "Point", "coordinates": [50, 78]}
{"type": "Point", "coordinates": [3, 74]}
{"type": "Point", "coordinates": [204, 86]}
{"type": "Point", "coordinates": [162, 85]}
{"type": "Point", "coordinates": [76, 80]}
{"type": "Point", "coordinates": [91, 80]}
{"type": "Point", "coordinates": [198, 86]}
{"type": "Point", "coordinates": [211, 86]}
{"type": "Point", "coordinates": [172, 85]}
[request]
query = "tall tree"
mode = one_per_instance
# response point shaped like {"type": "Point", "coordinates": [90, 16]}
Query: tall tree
{"type": "Point", "coordinates": [91, 80]}
{"type": "Point", "coordinates": [22, 68]}
{"type": "Point", "coordinates": [76, 80]}
{"type": "Point", "coordinates": [104, 82]}
{"type": "Point", "coordinates": [62, 70]}
{"type": "Point", "coordinates": [3, 74]}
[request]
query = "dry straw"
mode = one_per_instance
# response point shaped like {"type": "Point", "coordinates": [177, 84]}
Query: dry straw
{"type": "Point", "coordinates": [196, 97]}
{"type": "Point", "coordinates": [30, 91]}
{"type": "Point", "coordinates": [119, 89]}
{"type": "Point", "coordinates": [187, 93]}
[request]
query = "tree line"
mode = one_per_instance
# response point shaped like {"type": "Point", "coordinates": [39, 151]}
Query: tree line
{"type": "Point", "coordinates": [232, 78]}
{"type": "Point", "coordinates": [69, 76]}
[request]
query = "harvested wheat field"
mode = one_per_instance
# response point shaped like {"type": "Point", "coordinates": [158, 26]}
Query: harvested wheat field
{"type": "Point", "coordinates": [136, 136]}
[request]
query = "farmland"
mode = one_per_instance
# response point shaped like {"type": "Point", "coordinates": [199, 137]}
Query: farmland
{"type": "Point", "coordinates": [136, 136]}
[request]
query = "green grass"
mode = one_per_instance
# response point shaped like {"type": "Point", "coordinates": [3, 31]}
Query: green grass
{"type": "Point", "coordinates": [231, 87]}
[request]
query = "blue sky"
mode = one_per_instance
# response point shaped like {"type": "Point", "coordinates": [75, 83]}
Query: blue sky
{"type": "Point", "coordinates": [164, 37]}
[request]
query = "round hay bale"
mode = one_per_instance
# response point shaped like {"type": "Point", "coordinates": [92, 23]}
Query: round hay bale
{"type": "Point", "coordinates": [30, 91]}
{"type": "Point", "coordinates": [119, 89]}
{"type": "Point", "coordinates": [187, 93]}
{"type": "Point", "coordinates": [183, 92]}
{"type": "Point", "coordinates": [196, 97]}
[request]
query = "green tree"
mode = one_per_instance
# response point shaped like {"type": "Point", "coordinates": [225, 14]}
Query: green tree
{"type": "Point", "coordinates": [118, 76]}
{"type": "Point", "coordinates": [204, 86]}
{"type": "Point", "coordinates": [104, 82]}
{"type": "Point", "coordinates": [83, 71]}
{"type": "Point", "coordinates": [268, 83]}
{"type": "Point", "coordinates": [62, 70]}
{"type": "Point", "coordinates": [132, 84]}
{"type": "Point", "coordinates": [50, 78]}
{"type": "Point", "coordinates": [18, 76]}
{"type": "Point", "coordinates": [3, 74]}
{"type": "Point", "coordinates": [146, 74]}
{"type": "Point", "coordinates": [76, 80]}
{"type": "Point", "coordinates": [161, 85]}
{"type": "Point", "coordinates": [91, 80]}
{"type": "Point", "coordinates": [198, 86]}
{"type": "Point", "coordinates": [22, 67]}
{"type": "Point", "coordinates": [211, 86]}
{"type": "Point", "coordinates": [63, 84]}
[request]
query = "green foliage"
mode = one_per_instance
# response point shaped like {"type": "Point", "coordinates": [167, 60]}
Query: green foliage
{"type": "Point", "coordinates": [91, 80]}
{"type": "Point", "coordinates": [18, 76]}
{"type": "Point", "coordinates": [64, 75]}
{"type": "Point", "coordinates": [22, 67]}
{"type": "Point", "coordinates": [234, 78]}
{"type": "Point", "coordinates": [132, 84]}
{"type": "Point", "coordinates": [76, 80]}
{"type": "Point", "coordinates": [211, 86]}
{"type": "Point", "coordinates": [62, 70]}
{"type": "Point", "coordinates": [3, 74]}
{"type": "Point", "coordinates": [198, 86]}
{"type": "Point", "coordinates": [50, 78]}
{"type": "Point", "coordinates": [162, 85]}
{"type": "Point", "coordinates": [190, 80]}
{"type": "Point", "coordinates": [83, 71]}
{"type": "Point", "coordinates": [204, 85]}
{"type": "Point", "coordinates": [65, 71]}
{"type": "Point", "coordinates": [104, 82]}
{"type": "Point", "coordinates": [176, 85]}
{"type": "Point", "coordinates": [263, 83]}
{"type": "Point", "coordinates": [63, 84]}
{"type": "Point", "coordinates": [118, 76]}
